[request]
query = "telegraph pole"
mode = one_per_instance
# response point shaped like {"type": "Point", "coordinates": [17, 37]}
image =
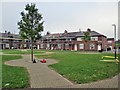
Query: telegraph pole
{"type": "Point", "coordinates": [115, 37]}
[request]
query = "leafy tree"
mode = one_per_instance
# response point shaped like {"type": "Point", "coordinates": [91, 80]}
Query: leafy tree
{"type": "Point", "coordinates": [31, 24]}
{"type": "Point", "coordinates": [86, 38]}
{"type": "Point", "coordinates": [23, 37]}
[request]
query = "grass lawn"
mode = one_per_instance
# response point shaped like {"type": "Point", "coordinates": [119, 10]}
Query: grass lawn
{"type": "Point", "coordinates": [82, 68]}
{"type": "Point", "coordinates": [14, 77]}
{"type": "Point", "coordinates": [15, 51]}
{"type": "Point", "coordinates": [118, 44]}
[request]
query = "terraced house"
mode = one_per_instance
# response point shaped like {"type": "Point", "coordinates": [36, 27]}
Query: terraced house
{"type": "Point", "coordinates": [73, 41]}
{"type": "Point", "coordinates": [13, 41]}
{"type": "Point", "coordinates": [59, 41]}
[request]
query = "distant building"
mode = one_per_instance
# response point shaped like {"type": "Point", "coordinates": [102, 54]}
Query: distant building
{"type": "Point", "coordinates": [59, 41]}
{"type": "Point", "coordinates": [110, 43]}
{"type": "Point", "coordinates": [13, 41]}
{"type": "Point", "coordinates": [73, 41]}
{"type": "Point", "coordinates": [118, 44]}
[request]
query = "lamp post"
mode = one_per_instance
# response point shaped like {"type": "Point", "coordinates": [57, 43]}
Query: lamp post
{"type": "Point", "coordinates": [115, 37]}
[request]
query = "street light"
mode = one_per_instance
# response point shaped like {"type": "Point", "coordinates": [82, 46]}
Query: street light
{"type": "Point", "coordinates": [115, 37]}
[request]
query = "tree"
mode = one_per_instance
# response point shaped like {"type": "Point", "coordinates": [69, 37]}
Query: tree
{"type": "Point", "coordinates": [23, 37]}
{"type": "Point", "coordinates": [31, 24]}
{"type": "Point", "coordinates": [86, 38]}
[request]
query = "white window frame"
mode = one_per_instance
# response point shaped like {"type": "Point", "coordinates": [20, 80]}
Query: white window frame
{"type": "Point", "coordinates": [7, 45]}
{"type": "Point", "coordinates": [25, 45]}
{"type": "Point", "coordinates": [92, 46]}
{"type": "Point", "coordinates": [79, 39]}
{"type": "Point", "coordinates": [41, 46]}
{"type": "Point", "coordinates": [81, 46]}
{"type": "Point", "coordinates": [59, 46]}
{"type": "Point", "coordinates": [94, 38]}
{"type": "Point", "coordinates": [48, 45]}
{"type": "Point", "coordinates": [109, 41]}
{"type": "Point", "coordinates": [67, 45]}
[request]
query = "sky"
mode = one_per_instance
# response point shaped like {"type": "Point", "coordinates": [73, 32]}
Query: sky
{"type": "Point", "coordinates": [61, 16]}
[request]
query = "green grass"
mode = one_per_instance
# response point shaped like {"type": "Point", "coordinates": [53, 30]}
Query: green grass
{"type": "Point", "coordinates": [13, 77]}
{"type": "Point", "coordinates": [82, 68]}
{"type": "Point", "coordinates": [15, 51]}
{"type": "Point", "coordinates": [117, 44]}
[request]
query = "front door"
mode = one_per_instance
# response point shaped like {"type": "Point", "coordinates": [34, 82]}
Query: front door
{"type": "Point", "coordinates": [75, 47]}
{"type": "Point", "coordinates": [99, 47]}
{"type": "Point", "coordinates": [38, 47]}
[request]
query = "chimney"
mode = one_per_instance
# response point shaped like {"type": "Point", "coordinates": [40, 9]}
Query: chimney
{"type": "Point", "coordinates": [65, 31]}
{"type": "Point", "coordinates": [88, 30]}
{"type": "Point", "coordinates": [48, 33]}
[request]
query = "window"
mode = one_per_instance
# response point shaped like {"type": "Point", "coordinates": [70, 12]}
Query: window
{"type": "Point", "coordinates": [59, 46]}
{"type": "Point", "coordinates": [66, 40]}
{"type": "Point", "coordinates": [94, 38]}
{"type": "Point", "coordinates": [25, 45]}
{"type": "Point", "coordinates": [81, 46]}
{"type": "Point", "coordinates": [41, 45]}
{"type": "Point", "coordinates": [48, 45]}
{"type": "Point", "coordinates": [67, 45]}
{"type": "Point", "coordinates": [92, 46]}
{"type": "Point", "coordinates": [7, 45]}
{"type": "Point", "coordinates": [79, 39]}
{"type": "Point", "coordinates": [109, 41]}
{"type": "Point", "coordinates": [53, 37]}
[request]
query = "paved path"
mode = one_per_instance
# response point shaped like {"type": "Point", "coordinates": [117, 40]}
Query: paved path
{"type": "Point", "coordinates": [41, 76]}
{"type": "Point", "coordinates": [108, 83]}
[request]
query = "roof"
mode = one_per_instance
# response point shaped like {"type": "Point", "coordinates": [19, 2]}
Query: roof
{"type": "Point", "coordinates": [6, 35]}
{"type": "Point", "coordinates": [72, 35]}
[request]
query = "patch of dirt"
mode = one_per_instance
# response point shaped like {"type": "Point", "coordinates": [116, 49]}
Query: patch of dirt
{"type": "Point", "coordinates": [23, 50]}
{"type": "Point", "coordinates": [49, 52]}
{"type": "Point", "coordinates": [88, 52]}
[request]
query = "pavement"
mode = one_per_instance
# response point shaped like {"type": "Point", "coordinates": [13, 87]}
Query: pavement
{"type": "Point", "coordinates": [41, 76]}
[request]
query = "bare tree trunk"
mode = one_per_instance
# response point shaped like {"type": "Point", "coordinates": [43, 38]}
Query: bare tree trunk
{"type": "Point", "coordinates": [32, 50]}
{"type": "Point", "coordinates": [23, 44]}
{"type": "Point", "coordinates": [86, 46]}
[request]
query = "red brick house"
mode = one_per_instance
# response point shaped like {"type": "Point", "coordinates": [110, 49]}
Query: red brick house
{"type": "Point", "coordinates": [110, 43]}
{"type": "Point", "coordinates": [13, 41]}
{"type": "Point", "coordinates": [73, 41]}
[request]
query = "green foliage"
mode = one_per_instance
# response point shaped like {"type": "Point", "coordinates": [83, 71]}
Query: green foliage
{"type": "Point", "coordinates": [118, 44]}
{"type": "Point", "coordinates": [82, 68]}
{"type": "Point", "coordinates": [86, 36]}
{"type": "Point", "coordinates": [13, 77]}
{"type": "Point", "coordinates": [31, 25]}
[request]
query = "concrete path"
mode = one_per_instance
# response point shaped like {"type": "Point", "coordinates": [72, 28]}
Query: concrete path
{"type": "Point", "coordinates": [108, 83]}
{"type": "Point", "coordinates": [41, 76]}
